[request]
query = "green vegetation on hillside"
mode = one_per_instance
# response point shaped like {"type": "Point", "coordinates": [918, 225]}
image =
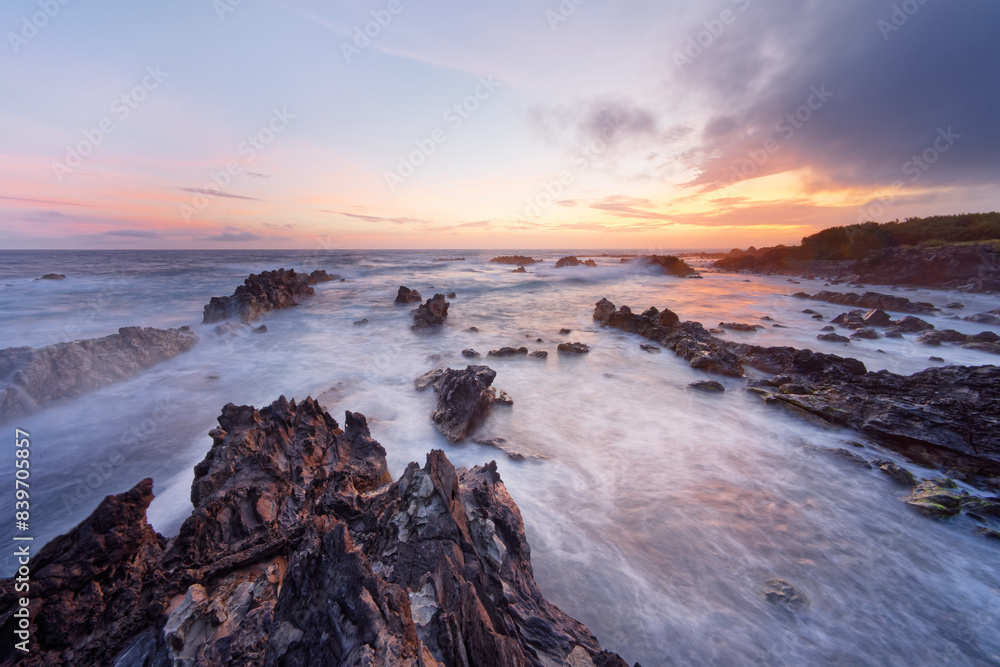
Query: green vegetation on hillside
{"type": "Point", "coordinates": [860, 241]}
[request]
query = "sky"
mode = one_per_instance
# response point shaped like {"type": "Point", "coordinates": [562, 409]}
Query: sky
{"type": "Point", "coordinates": [522, 124]}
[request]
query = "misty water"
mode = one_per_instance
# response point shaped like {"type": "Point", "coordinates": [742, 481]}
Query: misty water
{"type": "Point", "coordinates": [656, 513]}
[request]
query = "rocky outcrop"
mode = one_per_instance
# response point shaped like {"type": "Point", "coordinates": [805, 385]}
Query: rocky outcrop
{"type": "Point", "coordinates": [574, 261]}
{"type": "Point", "coordinates": [406, 295]}
{"type": "Point", "coordinates": [52, 276]}
{"type": "Point", "coordinates": [35, 378]}
{"type": "Point", "coordinates": [301, 551]}
{"type": "Point", "coordinates": [519, 260]}
{"type": "Point", "coordinates": [520, 269]}
{"type": "Point", "coordinates": [431, 314]}
{"type": "Point", "coordinates": [573, 348]}
{"type": "Point", "coordinates": [262, 293]}
{"type": "Point", "coordinates": [667, 265]}
{"type": "Point", "coordinates": [870, 301]}
{"type": "Point", "coordinates": [974, 267]}
{"type": "Point", "coordinates": [464, 399]}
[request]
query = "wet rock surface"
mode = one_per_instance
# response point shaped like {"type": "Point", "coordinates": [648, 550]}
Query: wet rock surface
{"type": "Point", "coordinates": [263, 292]}
{"type": "Point", "coordinates": [431, 314]}
{"type": "Point", "coordinates": [667, 265]}
{"type": "Point", "coordinates": [34, 378]}
{"type": "Point", "coordinates": [870, 300]}
{"type": "Point", "coordinates": [574, 261]}
{"type": "Point", "coordinates": [406, 295]}
{"type": "Point", "coordinates": [518, 260]}
{"type": "Point", "coordinates": [464, 399]}
{"type": "Point", "coordinates": [944, 417]}
{"type": "Point", "coordinates": [301, 551]}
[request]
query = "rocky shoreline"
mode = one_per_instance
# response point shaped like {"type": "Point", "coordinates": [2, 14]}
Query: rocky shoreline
{"type": "Point", "coordinates": [301, 551]}
{"type": "Point", "coordinates": [945, 417]}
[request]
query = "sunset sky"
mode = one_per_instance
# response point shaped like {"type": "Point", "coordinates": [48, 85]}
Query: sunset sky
{"type": "Point", "coordinates": [521, 124]}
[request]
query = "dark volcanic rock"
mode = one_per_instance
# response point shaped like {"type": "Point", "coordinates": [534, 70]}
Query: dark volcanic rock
{"type": "Point", "coordinates": [301, 551]}
{"type": "Point", "coordinates": [833, 338]}
{"type": "Point", "coordinates": [52, 276]}
{"type": "Point", "coordinates": [464, 401]}
{"type": "Point", "coordinates": [519, 260]}
{"type": "Point", "coordinates": [520, 269]}
{"type": "Point", "coordinates": [539, 354]}
{"type": "Point", "coordinates": [38, 377]}
{"type": "Point", "coordinates": [406, 295]}
{"type": "Point", "coordinates": [910, 324]}
{"type": "Point", "coordinates": [870, 300]}
{"type": "Point", "coordinates": [991, 317]}
{"type": "Point", "coordinates": [569, 261]}
{"type": "Point", "coordinates": [975, 267]}
{"type": "Point", "coordinates": [470, 353]}
{"type": "Point", "coordinates": [708, 386]}
{"type": "Point", "coordinates": [508, 352]}
{"type": "Point", "coordinates": [779, 591]}
{"type": "Point", "coordinates": [936, 498]}
{"type": "Point", "coordinates": [740, 326]}
{"type": "Point", "coordinates": [574, 348]}
{"type": "Point", "coordinates": [432, 313]}
{"type": "Point", "coordinates": [262, 293]}
{"type": "Point", "coordinates": [668, 265]}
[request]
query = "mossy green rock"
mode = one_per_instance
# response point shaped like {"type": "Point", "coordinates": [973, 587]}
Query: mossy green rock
{"type": "Point", "coordinates": [936, 498]}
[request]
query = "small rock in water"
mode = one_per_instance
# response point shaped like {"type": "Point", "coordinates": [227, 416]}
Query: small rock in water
{"type": "Point", "coordinates": [451, 295]}
{"type": "Point", "coordinates": [767, 318]}
{"type": "Point", "coordinates": [810, 311]}
{"type": "Point", "coordinates": [470, 353]}
{"type": "Point", "coordinates": [52, 276]}
{"type": "Point", "coordinates": [431, 314]}
{"type": "Point", "coordinates": [509, 450]}
{"type": "Point", "coordinates": [520, 269]}
{"type": "Point", "coordinates": [708, 386]}
{"type": "Point", "coordinates": [508, 352]}
{"type": "Point", "coordinates": [828, 328]}
{"type": "Point", "coordinates": [259, 330]}
{"type": "Point", "coordinates": [407, 295]}
{"type": "Point", "coordinates": [866, 334]}
{"type": "Point", "coordinates": [817, 316]}
{"type": "Point", "coordinates": [833, 338]}
{"type": "Point", "coordinates": [877, 318]}
{"type": "Point", "coordinates": [360, 322]}
{"type": "Point", "coordinates": [650, 348]}
{"type": "Point", "coordinates": [565, 332]}
{"type": "Point", "coordinates": [779, 326]}
{"type": "Point", "coordinates": [779, 591]}
{"type": "Point", "coordinates": [539, 354]}
{"type": "Point", "coordinates": [955, 305]}
{"type": "Point", "coordinates": [472, 330]}
{"type": "Point", "coordinates": [936, 498]}
{"type": "Point", "coordinates": [937, 359]}
{"type": "Point", "coordinates": [898, 473]}
{"type": "Point", "coordinates": [574, 348]}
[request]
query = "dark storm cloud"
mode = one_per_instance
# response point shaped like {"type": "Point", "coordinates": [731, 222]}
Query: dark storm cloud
{"type": "Point", "coordinates": [886, 80]}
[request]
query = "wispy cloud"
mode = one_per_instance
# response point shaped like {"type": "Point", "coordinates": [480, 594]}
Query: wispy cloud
{"type": "Point", "coordinates": [217, 193]}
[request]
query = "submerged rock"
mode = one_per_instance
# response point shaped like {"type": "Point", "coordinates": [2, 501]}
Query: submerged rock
{"type": "Point", "coordinates": [573, 348]}
{"type": "Point", "coordinates": [870, 300]}
{"type": "Point", "coordinates": [779, 591]}
{"type": "Point", "coordinates": [708, 386]}
{"type": "Point", "coordinates": [38, 377]}
{"type": "Point", "coordinates": [301, 551]}
{"type": "Point", "coordinates": [520, 269]}
{"type": "Point", "coordinates": [508, 352]}
{"type": "Point", "coordinates": [262, 293]}
{"type": "Point", "coordinates": [52, 276]}
{"type": "Point", "coordinates": [519, 260]}
{"type": "Point", "coordinates": [667, 265]}
{"type": "Point", "coordinates": [406, 295]}
{"type": "Point", "coordinates": [431, 314]}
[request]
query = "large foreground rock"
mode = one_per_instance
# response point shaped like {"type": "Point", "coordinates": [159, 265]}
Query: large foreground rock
{"type": "Point", "coordinates": [301, 551]}
{"type": "Point", "coordinates": [35, 378]}
{"type": "Point", "coordinates": [262, 293]}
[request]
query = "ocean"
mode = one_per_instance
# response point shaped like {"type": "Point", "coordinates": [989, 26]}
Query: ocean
{"type": "Point", "coordinates": [656, 513]}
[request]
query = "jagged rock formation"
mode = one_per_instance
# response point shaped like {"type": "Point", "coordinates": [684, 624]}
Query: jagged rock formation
{"type": "Point", "coordinates": [35, 378]}
{"type": "Point", "coordinates": [262, 293]}
{"type": "Point", "coordinates": [301, 551]}
{"type": "Point", "coordinates": [431, 314]}
{"type": "Point", "coordinates": [870, 301]}
{"type": "Point", "coordinates": [406, 295]}
{"type": "Point", "coordinates": [573, 261]}
{"type": "Point", "coordinates": [464, 399]}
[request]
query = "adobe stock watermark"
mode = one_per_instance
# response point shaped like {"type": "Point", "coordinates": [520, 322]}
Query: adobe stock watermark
{"type": "Point", "coordinates": [121, 108]}
{"type": "Point", "coordinates": [363, 35]}
{"type": "Point", "coordinates": [914, 169]}
{"type": "Point", "coordinates": [249, 149]}
{"type": "Point", "coordinates": [584, 158]}
{"type": "Point", "coordinates": [454, 117]}
{"type": "Point", "coordinates": [712, 29]}
{"type": "Point", "coordinates": [30, 25]}
{"type": "Point", "coordinates": [899, 16]}
{"type": "Point", "coordinates": [786, 127]}
{"type": "Point", "coordinates": [562, 13]}
{"type": "Point", "coordinates": [223, 7]}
